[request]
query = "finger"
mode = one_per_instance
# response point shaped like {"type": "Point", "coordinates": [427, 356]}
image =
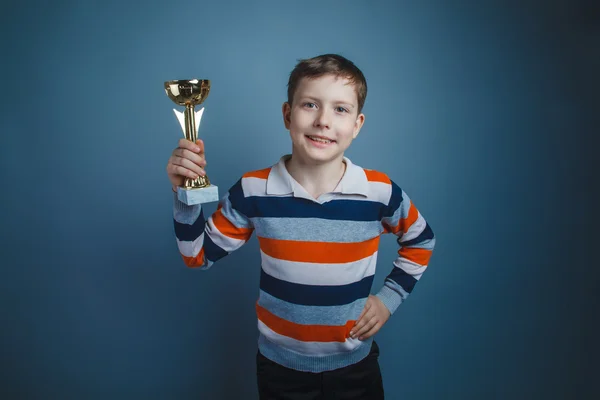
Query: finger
{"type": "Point", "coordinates": [366, 327]}
{"type": "Point", "coordinates": [181, 171]}
{"type": "Point", "coordinates": [370, 332]}
{"type": "Point", "coordinates": [197, 159]}
{"type": "Point", "coordinates": [187, 144]}
{"type": "Point", "coordinates": [366, 308]}
{"type": "Point", "coordinates": [200, 145]}
{"type": "Point", "coordinates": [184, 167]}
{"type": "Point", "coordinates": [374, 321]}
{"type": "Point", "coordinates": [362, 314]}
{"type": "Point", "coordinates": [361, 322]}
{"type": "Point", "coordinates": [195, 165]}
{"type": "Point", "coordinates": [363, 317]}
{"type": "Point", "coordinates": [362, 326]}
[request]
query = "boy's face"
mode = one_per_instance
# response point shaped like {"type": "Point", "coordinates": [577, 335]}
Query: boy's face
{"type": "Point", "coordinates": [323, 119]}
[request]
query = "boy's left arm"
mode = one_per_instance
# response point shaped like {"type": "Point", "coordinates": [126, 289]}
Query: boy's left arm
{"type": "Point", "coordinates": [416, 240]}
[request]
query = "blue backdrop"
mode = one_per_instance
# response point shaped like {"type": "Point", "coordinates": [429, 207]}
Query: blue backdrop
{"type": "Point", "coordinates": [481, 111]}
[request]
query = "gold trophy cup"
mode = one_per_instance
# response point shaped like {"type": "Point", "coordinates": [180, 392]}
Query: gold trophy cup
{"type": "Point", "coordinates": [190, 93]}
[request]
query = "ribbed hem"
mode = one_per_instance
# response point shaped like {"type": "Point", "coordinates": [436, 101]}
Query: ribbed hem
{"type": "Point", "coordinates": [180, 206]}
{"type": "Point", "coordinates": [390, 298]}
{"type": "Point", "coordinates": [183, 213]}
{"type": "Point", "coordinates": [307, 363]}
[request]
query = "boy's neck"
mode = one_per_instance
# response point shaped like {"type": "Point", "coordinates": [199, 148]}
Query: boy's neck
{"type": "Point", "coordinates": [316, 179]}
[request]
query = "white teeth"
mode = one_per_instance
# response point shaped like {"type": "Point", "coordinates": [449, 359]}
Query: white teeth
{"type": "Point", "coordinates": [316, 139]}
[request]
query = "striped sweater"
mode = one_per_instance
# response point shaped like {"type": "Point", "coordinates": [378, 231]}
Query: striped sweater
{"type": "Point", "coordinates": [318, 257]}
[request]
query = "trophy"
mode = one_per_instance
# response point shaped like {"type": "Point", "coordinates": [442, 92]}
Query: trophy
{"type": "Point", "coordinates": [190, 93]}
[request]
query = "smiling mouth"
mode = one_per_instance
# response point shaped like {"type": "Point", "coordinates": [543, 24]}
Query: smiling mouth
{"type": "Point", "coordinates": [320, 139]}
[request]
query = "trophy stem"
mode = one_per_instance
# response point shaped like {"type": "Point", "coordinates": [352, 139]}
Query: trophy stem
{"type": "Point", "coordinates": [192, 135]}
{"type": "Point", "coordinates": [190, 123]}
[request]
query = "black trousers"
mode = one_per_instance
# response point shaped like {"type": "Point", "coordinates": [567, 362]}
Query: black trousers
{"type": "Point", "coordinates": [358, 381]}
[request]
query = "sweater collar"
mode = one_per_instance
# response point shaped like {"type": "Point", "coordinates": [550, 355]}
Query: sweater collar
{"type": "Point", "coordinates": [280, 182]}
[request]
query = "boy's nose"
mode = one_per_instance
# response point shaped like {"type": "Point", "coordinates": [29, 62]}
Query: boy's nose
{"type": "Point", "coordinates": [322, 120]}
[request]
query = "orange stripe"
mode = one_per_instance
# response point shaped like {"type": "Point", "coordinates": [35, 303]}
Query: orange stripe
{"type": "Point", "coordinates": [413, 215]}
{"type": "Point", "coordinates": [194, 262]}
{"type": "Point", "coordinates": [405, 223]}
{"type": "Point", "coordinates": [262, 173]}
{"type": "Point", "coordinates": [376, 176]}
{"type": "Point", "coordinates": [305, 333]}
{"type": "Point", "coordinates": [393, 229]}
{"type": "Point", "coordinates": [419, 256]}
{"type": "Point", "coordinates": [318, 252]}
{"type": "Point", "coordinates": [228, 229]}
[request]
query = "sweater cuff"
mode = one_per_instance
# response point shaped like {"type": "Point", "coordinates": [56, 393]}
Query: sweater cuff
{"type": "Point", "coordinates": [183, 213]}
{"type": "Point", "coordinates": [389, 298]}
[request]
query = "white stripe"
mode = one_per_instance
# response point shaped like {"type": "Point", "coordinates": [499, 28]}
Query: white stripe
{"type": "Point", "coordinates": [381, 192]}
{"type": "Point", "coordinates": [225, 242]}
{"type": "Point", "coordinates": [254, 186]}
{"type": "Point", "coordinates": [415, 229]}
{"type": "Point", "coordinates": [308, 348]}
{"type": "Point", "coordinates": [319, 273]}
{"type": "Point", "coordinates": [378, 192]}
{"type": "Point", "coordinates": [191, 249]}
{"type": "Point", "coordinates": [410, 267]}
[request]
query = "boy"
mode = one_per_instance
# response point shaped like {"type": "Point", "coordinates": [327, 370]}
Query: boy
{"type": "Point", "coordinates": [318, 218]}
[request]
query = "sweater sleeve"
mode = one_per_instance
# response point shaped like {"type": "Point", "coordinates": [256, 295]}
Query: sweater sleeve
{"type": "Point", "coordinates": [416, 241]}
{"type": "Point", "coordinates": [202, 242]}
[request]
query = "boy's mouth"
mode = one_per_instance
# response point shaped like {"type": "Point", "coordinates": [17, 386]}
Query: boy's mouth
{"type": "Point", "coordinates": [320, 139]}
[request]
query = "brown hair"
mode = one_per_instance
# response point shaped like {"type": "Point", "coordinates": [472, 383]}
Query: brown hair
{"type": "Point", "coordinates": [329, 64]}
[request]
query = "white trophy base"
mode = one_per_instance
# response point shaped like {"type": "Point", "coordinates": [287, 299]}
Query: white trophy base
{"type": "Point", "coordinates": [192, 197]}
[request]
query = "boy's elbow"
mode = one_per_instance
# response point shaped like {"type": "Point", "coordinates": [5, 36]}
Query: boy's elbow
{"type": "Point", "coordinates": [197, 262]}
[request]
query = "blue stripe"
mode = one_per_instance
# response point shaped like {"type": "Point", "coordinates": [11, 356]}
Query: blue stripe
{"type": "Point", "coordinates": [237, 199]}
{"type": "Point", "coordinates": [189, 233]}
{"type": "Point", "coordinates": [425, 235]}
{"type": "Point", "coordinates": [312, 295]}
{"type": "Point", "coordinates": [426, 244]}
{"type": "Point", "coordinates": [233, 215]}
{"type": "Point", "coordinates": [406, 281]}
{"type": "Point", "coordinates": [312, 315]}
{"type": "Point", "coordinates": [213, 252]}
{"type": "Point", "coordinates": [396, 199]}
{"type": "Point", "coordinates": [295, 207]}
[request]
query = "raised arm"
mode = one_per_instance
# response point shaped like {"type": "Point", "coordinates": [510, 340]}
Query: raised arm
{"type": "Point", "coordinates": [202, 242]}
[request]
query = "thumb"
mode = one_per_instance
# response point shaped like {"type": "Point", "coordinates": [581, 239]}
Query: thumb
{"type": "Point", "coordinates": [200, 144]}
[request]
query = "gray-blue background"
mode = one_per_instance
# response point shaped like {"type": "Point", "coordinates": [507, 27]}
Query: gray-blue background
{"type": "Point", "coordinates": [482, 111]}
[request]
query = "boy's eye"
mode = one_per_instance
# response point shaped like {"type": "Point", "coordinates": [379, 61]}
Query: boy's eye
{"type": "Point", "coordinates": [341, 109]}
{"type": "Point", "coordinates": [310, 105]}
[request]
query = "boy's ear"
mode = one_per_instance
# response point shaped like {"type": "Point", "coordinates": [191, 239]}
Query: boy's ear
{"type": "Point", "coordinates": [286, 110]}
{"type": "Point", "coordinates": [360, 120]}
